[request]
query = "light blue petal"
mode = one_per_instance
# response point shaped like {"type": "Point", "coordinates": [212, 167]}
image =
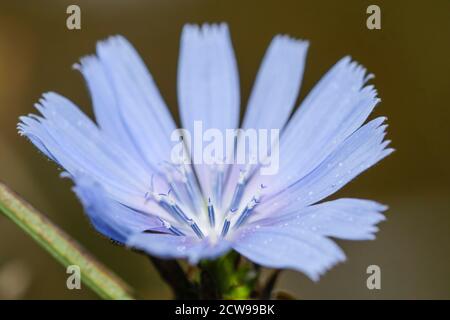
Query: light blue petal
{"type": "Point", "coordinates": [301, 250]}
{"type": "Point", "coordinates": [208, 85]}
{"type": "Point", "coordinates": [208, 81]}
{"type": "Point", "coordinates": [351, 219]}
{"type": "Point", "coordinates": [73, 141]}
{"type": "Point", "coordinates": [274, 94]}
{"type": "Point", "coordinates": [109, 217]}
{"type": "Point", "coordinates": [336, 107]}
{"type": "Point", "coordinates": [106, 105]}
{"type": "Point", "coordinates": [277, 84]}
{"type": "Point", "coordinates": [178, 247]}
{"type": "Point", "coordinates": [71, 135]}
{"type": "Point", "coordinates": [121, 84]}
{"type": "Point", "coordinates": [360, 151]}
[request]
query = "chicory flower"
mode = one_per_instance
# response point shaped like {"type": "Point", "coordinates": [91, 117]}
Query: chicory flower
{"type": "Point", "coordinates": [134, 194]}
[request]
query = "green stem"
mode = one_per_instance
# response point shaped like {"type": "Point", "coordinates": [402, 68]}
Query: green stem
{"type": "Point", "coordinates": [61, 246]}
{"type": "Point", "coordinates": [227, 278]}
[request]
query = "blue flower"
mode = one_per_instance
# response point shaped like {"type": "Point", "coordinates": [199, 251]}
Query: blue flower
{"type": "Point", "coordinates": [122, 170]}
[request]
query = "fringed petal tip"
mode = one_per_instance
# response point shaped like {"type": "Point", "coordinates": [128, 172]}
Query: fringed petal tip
{"type": "Point", "coordinates": [293, 42]}
{"type": "Point", "coordinates": [205, 28]}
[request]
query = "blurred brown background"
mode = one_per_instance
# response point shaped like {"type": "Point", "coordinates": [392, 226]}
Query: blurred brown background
{"type": "Point", "coordinates": [409, 56]}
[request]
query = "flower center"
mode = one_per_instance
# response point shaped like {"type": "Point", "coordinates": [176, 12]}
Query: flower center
{"type": "Point", "coordinates": [185, 203]}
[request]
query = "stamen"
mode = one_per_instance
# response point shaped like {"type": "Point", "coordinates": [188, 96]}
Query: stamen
{"type": "Point", "coordinates": [177, 211]}
{"type": "Point", "coordinates": [170, 206]}
{"type": "Point", "coordinates": [176, 231]}
{"type": "Point", "coordinates": [197, 230]}
{"type": "Point", "coordinates": [211, 214]}
{"type": "Point", "coordinates": [172, 180]}
{"type": "Point", "coordinates": [181, 215]}
{"type": "Point", "coordinates": [238, 191]}
{"type": "Point", "coordinates": [183, 182]}
{"type": "Point", "coordinates": [172, 228]}
{"type": "Point", "coordinates": [245, 214]}
{"type": "Point", "coordinates": [226, 223]}
{"type": "Point", "coordinates": [226, 227]}
{"type": "Point", "coordinates": [249, 208]}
